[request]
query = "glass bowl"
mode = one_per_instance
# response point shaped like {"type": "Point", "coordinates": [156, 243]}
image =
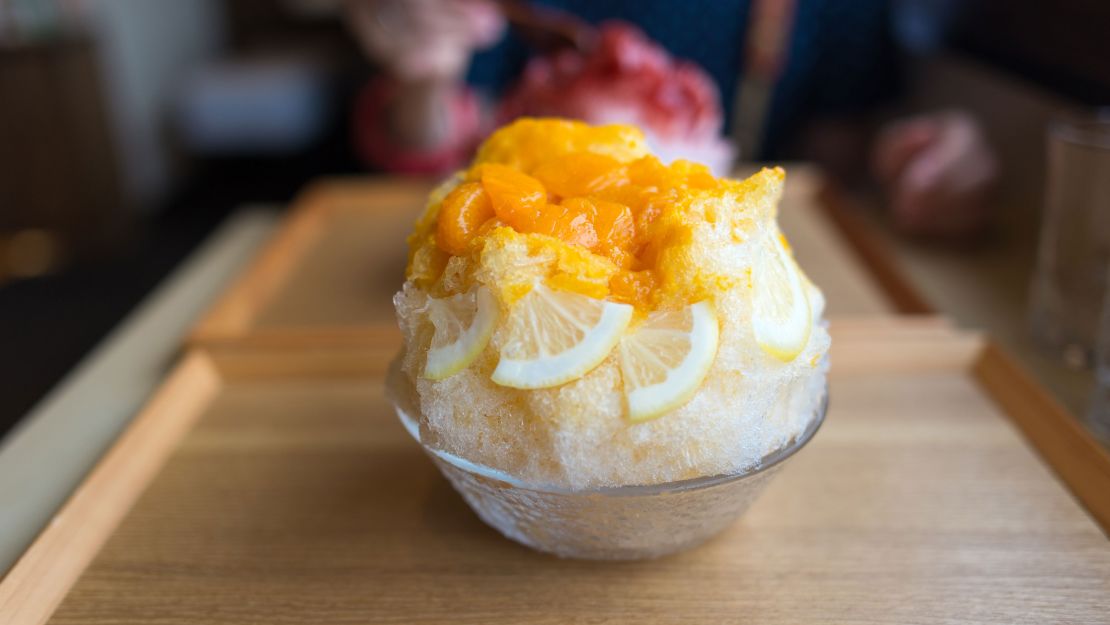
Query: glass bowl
{"type": "Point", "coordinates": [620, 523]}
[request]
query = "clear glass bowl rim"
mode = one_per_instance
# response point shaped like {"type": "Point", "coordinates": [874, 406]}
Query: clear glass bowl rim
{"type": "Point", "coordinates": [766, 463]}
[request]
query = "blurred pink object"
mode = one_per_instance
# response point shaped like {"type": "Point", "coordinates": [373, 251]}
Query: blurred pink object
{"type": "Point", "coordinates": [419, 117]}
{"type": "Point", "coordinates": [939, 171]}
{"type": "Point", "coordinates": [424, 39]}
{"type": "Point", "coordinates": [379, 148]}
{"type": "Point", "coordinates": [629, 79]}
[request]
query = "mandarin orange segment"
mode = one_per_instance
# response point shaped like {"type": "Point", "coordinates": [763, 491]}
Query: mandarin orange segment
{"type": "Point", "coordinates": [578, 229]}
{"type": "Point", "coordinates": [462, 213]}
{"type": "Point", "coordinates": [548, 220]}
{"type": "Point", "coordinates": [608, 202]}
{"type": "Point", "coordinates": [695, 175]}
{"type": "Point", "coordinates": [616, 228]}
{"type": "Point", "coordinates": [648, 172]}
{"type": "Point", "coordinates": [488, 226]}
{"type": "Point", "coordinates": [572, 221]}
{"type": "Point", "coordinates": [517, 198]}
{"type": "Point", "coordinates": [575, 283]}
{"type": "Point", "coordinates": [630, 195]}
{"type": "Point", "coordinates": [622, 258]}
{"type": "Point", "coordinates": [633, 287]}
{"type": "Point", "coordinates": [528, 143]}
{"type": "Point", "coordinates": [581, 173]}
{"type": "Point", "coordinates": [654, 205]}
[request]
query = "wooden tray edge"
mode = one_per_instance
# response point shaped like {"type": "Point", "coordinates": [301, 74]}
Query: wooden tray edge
{"type": "Point", "coordinates": [873, 253]}
{"type": "Point", "coordinates": [230, 318]}
{"type": "Point", "coordinates": [1080, 462]}
{"type": "Point", "coordinates": [44, 574]}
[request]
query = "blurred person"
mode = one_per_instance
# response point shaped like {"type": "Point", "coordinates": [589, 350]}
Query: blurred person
{"type": "Point", "coordinates": [823, 68]}
{"type": "Point", "coordinates": [937, 170]}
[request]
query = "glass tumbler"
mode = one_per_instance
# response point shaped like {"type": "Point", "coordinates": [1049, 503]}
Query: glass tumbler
{"type": "Point", "coordinates": [1070, 276]}
{"type": "Point", "coordinates": [1099, 414]}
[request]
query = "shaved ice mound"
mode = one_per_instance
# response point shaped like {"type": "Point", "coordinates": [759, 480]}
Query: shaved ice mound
{"type": "Point", "coordinates": [687, 237]}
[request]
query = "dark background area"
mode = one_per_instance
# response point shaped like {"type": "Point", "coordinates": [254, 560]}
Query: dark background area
{"type": "Point", "coordinates": [1063, 45]}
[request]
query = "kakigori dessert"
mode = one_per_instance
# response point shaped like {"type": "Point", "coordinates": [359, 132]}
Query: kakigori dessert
{"type": "Point", "coordinates": [577, 314]}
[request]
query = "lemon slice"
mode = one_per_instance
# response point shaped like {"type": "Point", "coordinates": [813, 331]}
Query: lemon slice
{"type": "Point", "coordinates": [463, 325]}
{"type": "Point", "coordinates": [666, 358]}
{"type": "Point", "coordinates": [554, 337]}
{"type": "Point", "coordinates": [781, 317]}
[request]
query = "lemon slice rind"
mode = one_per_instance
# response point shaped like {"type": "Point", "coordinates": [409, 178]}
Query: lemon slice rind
{"type": "Point", "coordinates": [553, 369]}
{"type": "Point", "coordinates": [781, 315]}
{"type": "Point", "coordinates": [448, 355]}
{"type": "Point", "coordinates": [682, 381]}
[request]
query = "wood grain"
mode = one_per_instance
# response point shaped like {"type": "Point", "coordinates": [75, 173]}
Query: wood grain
{"type": "Point", "coordinates": [41, 577]}
{"type": "Point", "coordinates": [333, 266]}
{"type": "Point", "coordinates": [329, 275]}
{"type": "Point", "coordinates": [1064, 444]}
{"type": "Point", "coordinates": [873, 251]}
{"type": "Point", "coordinates": [298, 498]}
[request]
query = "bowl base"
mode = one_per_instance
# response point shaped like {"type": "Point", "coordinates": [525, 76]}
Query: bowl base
{"type": "Point", "coordinates": [606, 526]}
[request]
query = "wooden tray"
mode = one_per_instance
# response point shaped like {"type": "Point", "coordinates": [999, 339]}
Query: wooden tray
{"type": "Point", "coordinates": [328, 276]}
{"type": "Point", "coordinates": [279, 487]}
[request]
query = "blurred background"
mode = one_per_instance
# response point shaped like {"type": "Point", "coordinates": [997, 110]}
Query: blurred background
{"type": "Point", "coordinates": [129, 129]}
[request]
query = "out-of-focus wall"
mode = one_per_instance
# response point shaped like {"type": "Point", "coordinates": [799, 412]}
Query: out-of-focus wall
{"type": "Point", "coordinates": [146, 47]}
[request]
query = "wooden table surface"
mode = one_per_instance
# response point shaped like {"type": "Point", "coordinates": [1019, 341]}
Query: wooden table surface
{"type": "Point", "coordinates": [298, 498]}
